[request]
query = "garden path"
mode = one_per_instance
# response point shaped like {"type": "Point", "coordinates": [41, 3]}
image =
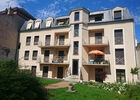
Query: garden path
{"type": "Point", "coordinates": [61, 84]}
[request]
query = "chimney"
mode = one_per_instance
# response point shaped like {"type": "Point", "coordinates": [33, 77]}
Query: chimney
{"type": "Point", "coordinates": [9, 11]}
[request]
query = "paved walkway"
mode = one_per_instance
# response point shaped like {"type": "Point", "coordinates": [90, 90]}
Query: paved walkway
{"type": "Point", "coordinates": [61, 84]}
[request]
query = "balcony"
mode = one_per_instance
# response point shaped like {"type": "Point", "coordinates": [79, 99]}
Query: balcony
{"type": "Point", "coordinates": [96, 62]}
{"type": "Point", "coordinates": [57, 60]}
{"type": "Point", "coordinates": [62, 22]}
{"type": "Point", "coordinates": [96, 43]}
{"type": "Point", "coordinates": [60, 44]}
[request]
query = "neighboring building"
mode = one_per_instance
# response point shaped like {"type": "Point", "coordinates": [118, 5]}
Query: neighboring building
{"type": "Point", "coordinates": [83, 45]}
{"type": "Point", "coordinates": [138, 58]}
{"type": "Point", "coordinates": [11, 20]}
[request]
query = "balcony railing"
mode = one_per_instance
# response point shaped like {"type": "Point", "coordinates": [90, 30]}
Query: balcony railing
{"type": "Point", "coordinates": [75, 51]}
{"type": "Point", "coordinates": [46, 59]}
{"type": "Point", "coordinates": [34, 58]}
{"type": "Point", "coordinates": [35, 43]}
{"type": "Point", "coordinates": [47, 43]}
{"type": "Point", "coordinates": [59, 59]}
{"type": "Point", "coordinates": [27, 43]}
{"type": "Point", "coordinates": [61, 42]}
{"type": "Point", "coordinates": [26, 58]}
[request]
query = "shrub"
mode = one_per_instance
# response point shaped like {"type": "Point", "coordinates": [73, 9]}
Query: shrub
{"type": "Point", "coordinates": [19, 85]}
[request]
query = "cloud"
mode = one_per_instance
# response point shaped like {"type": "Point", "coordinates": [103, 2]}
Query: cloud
{"type": "Point", "coordinates": [137, 19]}
{"type": "Point", "coordinates": [44, 13]}
{"type": "Point", "coordinates": [12, 3]}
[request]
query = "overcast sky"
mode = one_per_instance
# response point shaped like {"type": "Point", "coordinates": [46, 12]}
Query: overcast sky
{"type": "Point", "coordinates": [45, 8]}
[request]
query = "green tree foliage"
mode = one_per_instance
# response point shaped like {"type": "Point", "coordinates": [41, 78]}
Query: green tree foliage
{"type": "Point", "coordinates": [19, 85]}
{"type": "Point", "coordinates": [134, 71]}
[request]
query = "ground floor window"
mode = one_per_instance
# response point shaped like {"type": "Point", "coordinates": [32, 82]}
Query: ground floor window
{"type": "Point", "coordinates": [75, 67]}
{"type": "Point", "coordinates": [120, 75]}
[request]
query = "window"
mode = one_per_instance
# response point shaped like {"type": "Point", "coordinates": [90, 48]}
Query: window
{"type": "Point", "coordinates": [61, 39]}
{"type": "Point", "coordinates": [37, 23]}
{"type": "Point", "coordinates": [119, 56]}
{"type": "Point", "coordinates": [75, 67]}
{"type": "Point", "coordinates": [29, 25]}
{"type": "Point", "coordinates": [98, 38]}
{"type": "Point", "coordinates": [118, 37]}
{"type": "Point", "coordinates": [34, 55]}
{"type": "Point", "coordinates": [48, 23]}
{"type": "Point", "coordinates": [46, 55]}
{"type": "Point", "coordinates": [47, 41]}
{"type": "Point", "coordinates": [76, 30]}
{"type": "Point", "coordinates": [76, 16]}
{"type": "Point", "coordinates": [26, 55]}
{"type": "Point", "coordinates": [28, 40]}
{"type": "Point", "coordinates": [36, 39]}
{"type": "Point", "coordinates": [76, 45]}
{"type": "Point", "coordinates": [33, 70]}
{"type": "Point", "coordinates": [98, 17]}
{"type": "Point", "coordinates": [120, 75]}
{"type": "Point", "coordinates": [117, 15]}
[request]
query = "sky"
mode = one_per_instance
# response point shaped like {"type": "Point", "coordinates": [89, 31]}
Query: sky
{"type": "Point", "coordinates": [45, 8]}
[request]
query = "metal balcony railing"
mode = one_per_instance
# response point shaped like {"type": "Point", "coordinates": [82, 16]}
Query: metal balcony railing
{"type": "Point", "coordinates": [46, 59]}
{"type": "Point", "coordinates": [75, 51]}
{"type": "Point", "coordinates": [27, 43]}
{"type": "Point", "coordinates": [47, 43]}
{"type": "Point", "coordinates": [59, 59]}
{"type": "Point", "coordinates": [26, 58]}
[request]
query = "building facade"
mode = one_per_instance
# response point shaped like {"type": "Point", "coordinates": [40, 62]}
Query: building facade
{"type": "Point", "coordinates": [89, 46]}
{"type": "Point", "coordinates": [138, 58]}
{"type": "Point", "coordinates": [11, 20]}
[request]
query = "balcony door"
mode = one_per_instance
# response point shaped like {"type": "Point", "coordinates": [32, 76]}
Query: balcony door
{"type": "Point", "coordinates": [98, 38]}
{"type": "Point", "coordinates": [60, 72]}
{"type": "Point", "coordinates": [60, 56]}
{"type": "Point", "coordinates": [61, 39]}
{"type": "Point", "coordinates": [45, 71]}
{"type": "Point", "coordinates": [47, 40]}
{"type": "Point", "coordinates": [46, 55]}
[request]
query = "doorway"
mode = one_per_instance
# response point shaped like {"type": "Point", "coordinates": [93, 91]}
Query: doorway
{"type": "Point", "coordinates": [97, 75]}
{"type": "Point", "coordinates": [60, 72]}
{"type": "Point", "coordinates": [45, 71]}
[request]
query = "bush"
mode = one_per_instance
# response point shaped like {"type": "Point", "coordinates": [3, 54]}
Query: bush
{"type": "Point", "coordinates": [133, 92]}
{"type": "Point", "coordinates": [19, 85]}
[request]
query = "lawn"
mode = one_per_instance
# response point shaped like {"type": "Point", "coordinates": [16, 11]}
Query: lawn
{"type": "Point", "coordinates": [84, 92]}
{"type": "Point", "coordinates": [44, 81]}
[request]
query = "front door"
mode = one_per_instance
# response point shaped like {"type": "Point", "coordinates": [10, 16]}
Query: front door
{"type": "Point", "coordinates": [60, 72]}
{"type": "Point", "coordinates": [45, 71]}
{"type": "Point", "coordinates": [97, 75]}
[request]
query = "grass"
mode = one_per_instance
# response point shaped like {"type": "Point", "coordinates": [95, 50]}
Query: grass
{"type": "Point", "coordinates": [44, 81]}
{"type": "Point", "coordinates": [84, 92]}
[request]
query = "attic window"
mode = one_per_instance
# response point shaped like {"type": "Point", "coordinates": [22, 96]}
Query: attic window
{"type": "Point", "coordinates": [37, 23]}
{"type": "Point", "coordinates": [48, 23]}
{"type": "Point", "coordinates": [117, 15]}
{"type": "Point", "coordinates": [29, 25]}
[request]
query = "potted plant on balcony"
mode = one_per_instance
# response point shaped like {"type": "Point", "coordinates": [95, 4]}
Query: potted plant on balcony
{"type": "Point", "coordinates": [105, 62]}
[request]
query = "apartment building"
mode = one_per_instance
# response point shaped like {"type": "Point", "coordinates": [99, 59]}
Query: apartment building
{"type": "Point", "coordinates": [11, 20]}
{"type": "Point", "coordinates": [138, 58]}
{"type": "Point", "coordinates": [82, 46]}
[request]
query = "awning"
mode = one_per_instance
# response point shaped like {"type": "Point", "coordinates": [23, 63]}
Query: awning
{"type": "Point", "coordinates": [96, 52]}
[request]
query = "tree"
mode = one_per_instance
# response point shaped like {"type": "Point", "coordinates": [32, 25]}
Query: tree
{"type": "Point", "coordinates": [134, 71]}
{"type": "Point", "coordinates": [19, 85]}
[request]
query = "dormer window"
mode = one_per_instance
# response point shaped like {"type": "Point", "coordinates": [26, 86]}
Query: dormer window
{"type": "Point", "coordinates": [117, 15]}
{"type": "Point", "coordinates": [76, 16]}
{"type": "Point", "coordinates": [98, 17]}
{"type": "Point", "coordinates": [49, 21]}
{"type": "Point", "coordinates": [29, 25]}
{"type": "Point", "coordinates": [37, 23]}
